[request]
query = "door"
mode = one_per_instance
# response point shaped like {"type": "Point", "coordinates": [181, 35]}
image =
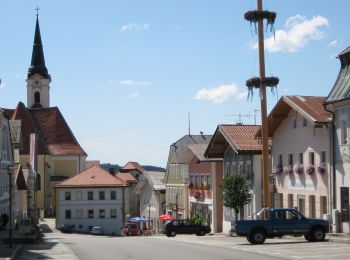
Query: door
{"type": "Point", "coordinates": [301, 204]}
{"type": "Point", "coordinates": [344, 204]}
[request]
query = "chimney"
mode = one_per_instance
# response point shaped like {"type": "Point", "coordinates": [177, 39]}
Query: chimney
{"type": "Point", "coordinates": [112, 171]}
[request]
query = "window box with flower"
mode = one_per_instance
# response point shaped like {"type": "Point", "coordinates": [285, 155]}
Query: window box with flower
{"type": "Point", "coordinates": [321, 168]}
{"type": "Point", "coordinates": [310, 169]}
{"type": "Point", "coordinates": [299, 169]}
{"type": "Point", "coordinates": [279, 169]}
{"type": "Point", "coordinates": [197, 194]}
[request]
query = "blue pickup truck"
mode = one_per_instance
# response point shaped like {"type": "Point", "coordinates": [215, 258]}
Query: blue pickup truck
{"type": "Point", "coordinates": [269, 223]}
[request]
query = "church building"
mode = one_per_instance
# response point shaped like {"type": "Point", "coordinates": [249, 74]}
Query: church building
{"type": "Point", "coordinates": [59, 155]}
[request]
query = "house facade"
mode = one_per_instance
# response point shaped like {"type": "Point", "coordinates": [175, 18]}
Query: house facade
{"type": "Point", "coordinates": [94, 197]}
{"type": "Point", "coordinates": [241, 154]}
{"type": "Point", "coordinates": [205, 177]}
{"type": "Point", "coordinates": [150, 191]}
{"type": "Point", "coordinates": [298, 126]}
{"type": "Point", "coordinates": [6, 161]}
{"type": "Point", "coordinates": [177, 174]}
{"type": "Point", "coordinates": [338, 102]}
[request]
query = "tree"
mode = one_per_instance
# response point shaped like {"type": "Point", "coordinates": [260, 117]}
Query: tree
{"type": "Point", "coordinates": [236, 192]}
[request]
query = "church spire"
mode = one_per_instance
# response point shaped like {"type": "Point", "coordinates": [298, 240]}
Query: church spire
{"type": "Point", "coordinates": [38, 78]}
{"type": "Point", "coordinates": [38, 61]}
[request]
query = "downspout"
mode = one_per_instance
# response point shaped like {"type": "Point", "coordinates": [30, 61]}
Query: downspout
{"type": "Point", "coordinates": [123, 208]}
{"type": "Point", "coordinates": [44, 188]}
{"type": "Point", "coordinates": [333, 155]}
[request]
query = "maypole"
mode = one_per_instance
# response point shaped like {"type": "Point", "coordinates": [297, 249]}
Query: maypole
{"type": "Point", "coordinates": [262, 82]}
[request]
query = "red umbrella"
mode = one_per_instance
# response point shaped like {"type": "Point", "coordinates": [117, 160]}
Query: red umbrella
{"type": "Point", "coordinates": [166, 217]}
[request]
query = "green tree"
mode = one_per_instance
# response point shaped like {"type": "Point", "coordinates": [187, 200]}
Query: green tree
{"type": "Point", "coordinates": [236, 192]}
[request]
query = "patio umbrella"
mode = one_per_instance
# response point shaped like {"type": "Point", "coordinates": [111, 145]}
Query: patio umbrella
{"type": "Point", "coordinates": [166, 217]}
{"type": "Point", "coordinates": [139, 219]}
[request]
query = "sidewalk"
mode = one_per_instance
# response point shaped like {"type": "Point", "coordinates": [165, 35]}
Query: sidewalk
{"type": "Point", "coordinates": [339, 238]}
{"type": "Point", "coordinates": [9, 253]}
{"type": "Point", "coordinates": [50, 247]}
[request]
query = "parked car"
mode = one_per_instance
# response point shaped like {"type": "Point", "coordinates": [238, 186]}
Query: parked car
{"type": "Point", "coordinates": [280, 222]}
{"type": "Point", "coordinates": [130, 229]}
{"type": "Point", "coordinates": [97, 231]}
{"type": "Point", "coordinates": [179, 226]}
{"type": "Point", "coordinates": [67, 228]}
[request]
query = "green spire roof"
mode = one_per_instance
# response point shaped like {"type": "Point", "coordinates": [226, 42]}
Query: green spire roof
{"type": "Point", "coordinates": [38, 60]}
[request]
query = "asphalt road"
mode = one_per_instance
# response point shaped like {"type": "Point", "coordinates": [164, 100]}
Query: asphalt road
{"type": "Point", "coordinates": [151, 248]}
{"type": "Point", "coordinates": [182, 247]}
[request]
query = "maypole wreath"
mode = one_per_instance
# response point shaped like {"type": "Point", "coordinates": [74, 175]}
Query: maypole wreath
{"type": "Point", "coordinates": [255, 82]}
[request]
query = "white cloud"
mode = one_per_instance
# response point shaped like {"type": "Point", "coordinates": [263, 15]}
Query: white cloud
{"type": "Point", "coordinates": [2, 85]}
{"type": "Point", "coordinates": [333, 43]}
{"type": "Point", "coordinates": [127, 82]}
{"type": "Point", "coordinates": [297, 34]}
{"type": "Point", "coordinates": [135, 95]}
{"type": "Point", "coordinates": [135, 83]}
{"type": "Point", "coordinates": [220, 94]}
{"type": "Point", "coordinates": [135, 27]}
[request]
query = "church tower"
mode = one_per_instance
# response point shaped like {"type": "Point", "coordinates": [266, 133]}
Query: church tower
{"type": "Point", "coordinates": [38, 79]}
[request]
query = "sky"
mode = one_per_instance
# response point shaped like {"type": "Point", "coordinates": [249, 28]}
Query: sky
{"type": "Point", "coordinates": [127, 75]}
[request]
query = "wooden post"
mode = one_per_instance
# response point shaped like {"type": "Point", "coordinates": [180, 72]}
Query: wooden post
{"type": "Point", "coordinates": [264, 127]}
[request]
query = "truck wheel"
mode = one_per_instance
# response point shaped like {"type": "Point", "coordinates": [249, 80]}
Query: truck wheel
{"type": "Point", "coordinates": [201, 233]}
{"type": "Point", "coordinates": [248, 238]}
{"type": "Point", "coordinates": [257, 237]}
{"type": "Point", "coordinates": [308, 237]}
{"type": "Point", "coordinates": [317, 234]}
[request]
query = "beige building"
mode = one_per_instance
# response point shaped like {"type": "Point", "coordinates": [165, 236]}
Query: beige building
{"type": "Point", "coordinates": [298, 126]}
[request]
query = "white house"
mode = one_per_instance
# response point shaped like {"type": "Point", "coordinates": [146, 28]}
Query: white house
{"type": "Point", "coordinates": [298, 126]}
{"type": "Point", "coordinates": [94, 197]}
{"type": "Point", "coordinates": [338, 101]}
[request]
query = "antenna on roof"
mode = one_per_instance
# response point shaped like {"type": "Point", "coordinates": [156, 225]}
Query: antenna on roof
{"type": "Point", "coordinates": [189, 124]}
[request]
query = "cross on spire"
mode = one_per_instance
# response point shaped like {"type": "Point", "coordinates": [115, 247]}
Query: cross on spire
{"type": "Point", "coordinates": [37, 11]}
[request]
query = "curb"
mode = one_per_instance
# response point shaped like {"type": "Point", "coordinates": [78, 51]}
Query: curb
{"type": "Point", "coordinates": [14, 253]}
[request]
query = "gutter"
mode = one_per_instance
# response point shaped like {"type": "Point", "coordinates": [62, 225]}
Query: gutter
{"type": "Point", "coordinates": [333, 156]}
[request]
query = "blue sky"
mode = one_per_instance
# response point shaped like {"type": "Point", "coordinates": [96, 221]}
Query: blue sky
{"type": "Point", "coordinates": [126, 74]}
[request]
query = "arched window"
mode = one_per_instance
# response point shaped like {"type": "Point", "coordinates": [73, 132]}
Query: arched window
{"type": "Point", "coordinates": [37, 98]}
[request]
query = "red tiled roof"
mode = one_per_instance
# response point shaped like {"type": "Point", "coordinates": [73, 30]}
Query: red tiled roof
{"type": "Point", "coordinates": [242, 137]}
{"type": "Point", "coordinates": [132, 166]}
{"type": "Point", "coordinates": [54, 134]}
{"type": "Point", "coordinates": [310, 107]}
{"type": "Point", "coordinates": [94, 176]}
{"type": "Point", "coordinates": [90, 163]}
{"type": "Point", "coordinates": [126, 176]}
